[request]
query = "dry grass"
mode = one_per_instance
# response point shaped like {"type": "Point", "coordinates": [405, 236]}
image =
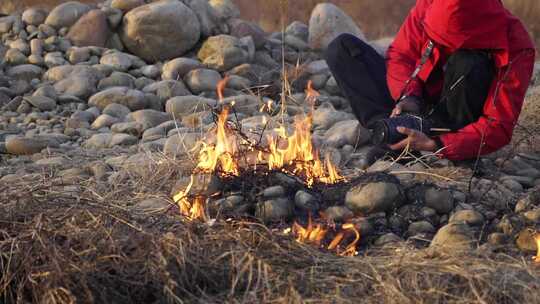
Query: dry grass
{"type": "Point", "coordinates": [92, 246]}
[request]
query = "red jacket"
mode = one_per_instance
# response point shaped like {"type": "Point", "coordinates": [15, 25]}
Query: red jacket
{"type": "Point", "coordinates": [466, 24]}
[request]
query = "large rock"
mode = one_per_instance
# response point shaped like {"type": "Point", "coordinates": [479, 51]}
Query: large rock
{"type": "Point", "coordinates": [222, 53]}
{"type": "Point", "coordinates": [452, 238]}
{"type": "Point", "coordinates": [275, 210]}
{"type": "Point", "coordinates": [132, 99]}
{"type": "Point", "coordinates": [374, 197]}
{"type": "Point", "coordinates": [66, 14]}
{"type": "Point", "coordinates": [161, 30]}
{"type": "Point", "coordinates": [327, 22]}
{"type": "Point", "coordinates": [91, 30]}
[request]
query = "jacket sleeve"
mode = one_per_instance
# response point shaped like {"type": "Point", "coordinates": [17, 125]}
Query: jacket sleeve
{"type": "Point", "coordinates": [404, 54]}
{"type": "Point", "coordinates": [501, 112]}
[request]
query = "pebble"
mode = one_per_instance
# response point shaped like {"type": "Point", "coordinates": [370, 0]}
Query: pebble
{"type": "Point", "coordinates": [306, 201]}
{"type": "Point", "coordinates": [439, 199]}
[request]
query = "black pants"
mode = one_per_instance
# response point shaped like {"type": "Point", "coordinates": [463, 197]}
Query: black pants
{"type": "Point", "coordinates": [361, 74]}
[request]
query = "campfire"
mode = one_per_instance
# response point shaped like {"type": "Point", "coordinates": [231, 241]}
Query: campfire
{"type": "Point", "coordinates": [229, 154]}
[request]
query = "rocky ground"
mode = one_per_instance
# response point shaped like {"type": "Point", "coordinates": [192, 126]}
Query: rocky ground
{"type": "Point", "coordinates": [101, 112]}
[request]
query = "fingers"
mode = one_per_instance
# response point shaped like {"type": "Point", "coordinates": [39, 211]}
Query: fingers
{"type": "Point", "coordinates": [406, 131]}
{"type": "Point", "coordinates": [411, 134]}
{"type": "Point", "coordinates": [400, 145]}
{"type": "Point", "coordinates": [396, 112]}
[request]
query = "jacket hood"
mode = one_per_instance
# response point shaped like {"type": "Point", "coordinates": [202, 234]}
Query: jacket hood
{"type": "Point", "coordinates": [468, 24]}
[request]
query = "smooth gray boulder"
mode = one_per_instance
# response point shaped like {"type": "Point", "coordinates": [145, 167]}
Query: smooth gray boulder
{"type": "Point", "coordinates": [160, 30]}
{"type": "Point", "coordinates": [328, 22]}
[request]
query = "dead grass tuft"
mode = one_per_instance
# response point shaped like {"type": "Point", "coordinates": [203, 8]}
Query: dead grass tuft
{"type": "Point", "coordinates": [61, 247]}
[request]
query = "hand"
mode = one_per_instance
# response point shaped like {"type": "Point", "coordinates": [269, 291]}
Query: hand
{"type": "Point", "coordinates": [416, 141]}
{"type": "Point", "coordinates": [410, 104]}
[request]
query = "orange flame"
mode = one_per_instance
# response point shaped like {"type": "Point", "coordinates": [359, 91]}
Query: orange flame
{"type": "Point", "coordinates": [536, 258]}
{"type": "Point", "coordinates": [301, 154]}
{"type": "Point", "coordinates": [315, 235]}
{"type": "Point", "coordinates": [311, 234]}
{"type": "Point", "coordinates": [222, 153]}
{"type": "Point", "coordinates": [192, 210]}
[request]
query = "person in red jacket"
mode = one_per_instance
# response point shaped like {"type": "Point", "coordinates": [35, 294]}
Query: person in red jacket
{"type": "Point", "coordinates": [465, 65]}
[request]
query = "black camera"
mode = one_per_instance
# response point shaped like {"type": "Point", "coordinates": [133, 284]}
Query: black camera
{"type": "Point", "coordinates": [385, 131]}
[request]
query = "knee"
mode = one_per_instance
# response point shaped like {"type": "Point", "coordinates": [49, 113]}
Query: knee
{"type": "Point", "coordinates": [339, 48]}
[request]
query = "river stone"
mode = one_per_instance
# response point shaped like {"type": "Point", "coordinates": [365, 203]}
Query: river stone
{"type": "Point", "coordinates": [201, 80]}
{"type": "Point", "coordinates": [222, 53]}
{"type": "Point", "coordinates": [327, 22]}
{"type": "Point", "coordinates": [298, 30]}
{"type": "Point", "coordinates": [387, 239]}
{"type": "Point", "coordinates": [15, 57]}
{"type": "Point", "coordinates": [526, 241]}
{"type": "Point", "coordinates": [180, 144]}
{"type": "Point", "coordinates": [117, 60]}
{"type": "Point", "coordinates": [306, 201]}
{"type": "Point", "coordinates": [149, 118]}
{"type": "Point", "coordinates": [183, 105]}
{"type": "Point", "coordinates": [177, 68]}
{"type": "Point", "coordinates": [25, 72]}
{"type": "Point", "coordinates": [103, 121]}
{"type": "Point", "coordinates": [99, 141]}
{"type": "Point", "coordinates": [126, 5]}
{"type": "Point", "coordinates": [91, 30]}
{"type": "Point", "coordinates": [167, 89]}
{"type": "Point", "coordinates": [348, 132]}
{"type": "Point", "coordinates": [201, 184]}
{"type": "Point", "coordinates": [274, 192]}
{"type": "Point", "coordinates": [242, 28]}
{"type": "Point", "coordinates": [454, 237]}
{"type": "Point", "coordinates": [121, 139]}
{"type": "Point", "coordinates": [160, 30]}
{"type": "Point", "coordinates": [117, 79]}
{"type": "Point", "coordinates": [207, 16]}
{"type": "Point", "coordinates": [133, 128]}
{"type": "Point", "coordinates": [274, 210]}
{"type": "Point", "coordinates": [225, 9]}
{"type": "Point", "coordinates": [24, 146]}
{"type": "Point", "coordinates": [41, 102]}
{"type": "Point", "coordinates": [66, 14]}
{"type": "Point", "coordinates": [441, 200]}
{"type": "Point", "coordinates": [374, 197]}
{"type": "Point", "coordinates": [132, 99]}
{"type": "Point", "coordinates": [34, 16]}
{"type": "Point", "coordinates": [469, 217]}
{"type": "Point", "coordinates": [420, 227]}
